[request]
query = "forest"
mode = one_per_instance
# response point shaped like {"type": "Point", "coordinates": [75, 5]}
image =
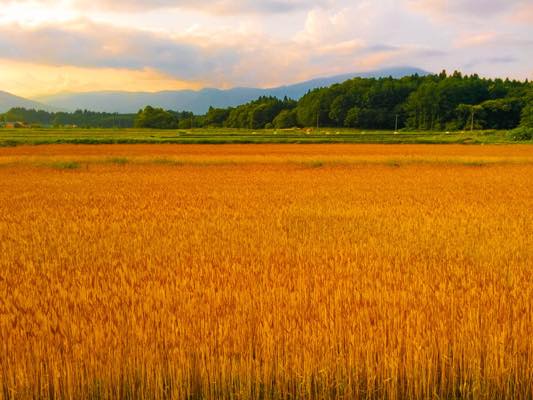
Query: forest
{"type": "Point", "coordinates": [434, 102]}
{"type": "Point", "coordinates": [440, 102]}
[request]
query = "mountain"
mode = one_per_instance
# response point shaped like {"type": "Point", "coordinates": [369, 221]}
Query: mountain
{"type": "Point", "coordinates": [200, 101]}
{"type": "Point", "coordinates": [8, 101]}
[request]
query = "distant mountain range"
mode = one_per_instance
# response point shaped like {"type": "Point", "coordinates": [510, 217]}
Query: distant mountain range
{"type": "Point", "coordinates": [8, 100]}
{"type": "Point", "coordinates": [189, 100]}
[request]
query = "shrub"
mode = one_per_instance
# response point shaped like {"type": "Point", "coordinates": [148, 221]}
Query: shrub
{"type": "Point", "coordinates": [521, 134]}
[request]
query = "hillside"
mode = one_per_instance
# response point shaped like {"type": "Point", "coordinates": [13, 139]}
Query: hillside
{"type": "Point", "coordinates": [8, 100]}
{"type": "Point", "coordinates": [200, 101]}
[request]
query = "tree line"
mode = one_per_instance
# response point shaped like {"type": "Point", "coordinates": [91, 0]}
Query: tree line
{"type": "Point", "coordinates": [433, 102]}
{"type": "Point", "coordinates": [80, 118]}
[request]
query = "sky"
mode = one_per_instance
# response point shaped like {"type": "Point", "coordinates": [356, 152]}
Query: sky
{"type": "Point", "coordinates": [54, 46]}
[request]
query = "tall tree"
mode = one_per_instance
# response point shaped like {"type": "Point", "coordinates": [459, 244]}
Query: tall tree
{"type": "Point", "coordinates": [155, 118]}
{"type": "Point", "coordinates": [527, 112]}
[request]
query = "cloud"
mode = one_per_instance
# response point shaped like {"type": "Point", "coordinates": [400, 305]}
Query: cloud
{"type": "Point", "coordinates": [323, 25]}
{"type": "Point", "coordinates": [491, 40]}
{"type": "Point", "coordinates": [227, 43]}
{"type": "Point", "coordinates": [32, 79]}
{"type": "Point", "coordinates": [476, 39]}
{"type": "Point", "coordinates": [219, 7]}
{"type": "Point", "coordinates": [523, 14]}
{"type": "Point", "coordinates": [503, 59]}
{"type": "Point", "coordinates": [464, 8]}
{"type": "Point", "coordinates": [339, 24]}
{"type": "Point", "coordinates": [345, 48]}
{"type": "Point", "coordinates": [242, 59]}
{"type": "Point", "coordinates": [86, 44]}
{"type": "Point", "coordinates": [491, 61]}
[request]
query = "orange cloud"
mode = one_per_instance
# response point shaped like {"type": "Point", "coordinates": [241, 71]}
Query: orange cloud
{"type": "Point", "coordinates": [478, 39]}
{"type": "Point", "coordinates": [523, 14]}
{"type": "Point", "coordinates": [31, 80]}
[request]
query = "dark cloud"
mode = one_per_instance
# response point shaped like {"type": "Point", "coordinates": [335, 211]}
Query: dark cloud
{"type": "Point", "coordinates": [376, 48]}
{"type": "Point", "coordinates": [490, 61]}
{"type": "Point", "coordinates": [503, 59]}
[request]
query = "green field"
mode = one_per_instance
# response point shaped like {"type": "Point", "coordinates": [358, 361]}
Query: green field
{"type": "Point", "coordinates": [16, 137]}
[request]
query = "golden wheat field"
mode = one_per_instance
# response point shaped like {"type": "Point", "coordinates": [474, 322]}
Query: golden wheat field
{"type": "Point", "coordinates": [266, 272]}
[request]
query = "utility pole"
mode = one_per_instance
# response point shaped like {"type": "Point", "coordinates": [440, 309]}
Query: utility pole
{"type": "Point", "coordinates": [472, 119]}
{"type": "Point", "coordinates": [396, 125]}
